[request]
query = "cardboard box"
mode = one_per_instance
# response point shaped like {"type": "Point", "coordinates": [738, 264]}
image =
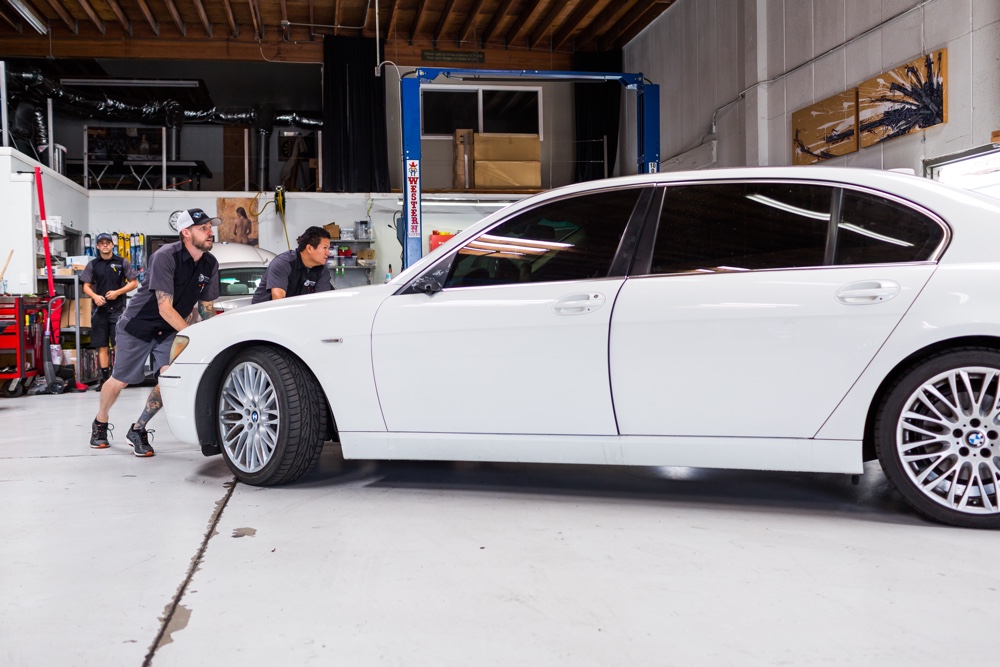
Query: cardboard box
{"type": "Point", "coordinates": [69, 312]}
{"type": "Point", "coordinates": [507, 147]}
{"type": "Point", "coordinates": [511, 174]}
{"type": "Point", "coordinates": [78, 260]}
{"type": "Point", "coordinates": [464, 160]}
{"type": "Point", "coordinates": [366, 253]}
{"type": "Point", "coordinates": [334, 230]}
{"type": "Point", "coordinates": [995, 137]}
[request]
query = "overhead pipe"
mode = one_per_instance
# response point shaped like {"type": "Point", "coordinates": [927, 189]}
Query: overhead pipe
{"type": "Point", "coordinates": [33, 84]}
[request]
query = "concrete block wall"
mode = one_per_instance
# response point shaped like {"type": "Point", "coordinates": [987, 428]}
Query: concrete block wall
{"type": "Point", "coordinates": [749, 64]}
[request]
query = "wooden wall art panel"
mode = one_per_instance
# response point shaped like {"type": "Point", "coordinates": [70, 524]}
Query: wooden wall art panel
{"type": "Point", "coordinates": [826, 129]}
{"type": "Point", "coordinates": [906, 99]}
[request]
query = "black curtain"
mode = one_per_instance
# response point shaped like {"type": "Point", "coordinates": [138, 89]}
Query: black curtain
{"type": "Point", "coordinates": [598, 108]}
{"type": "Point", "coordinates": [355, 154]}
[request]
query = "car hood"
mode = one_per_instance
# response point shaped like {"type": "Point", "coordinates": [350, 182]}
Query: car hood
{"type": "Point", "coordinates": [300, 323]}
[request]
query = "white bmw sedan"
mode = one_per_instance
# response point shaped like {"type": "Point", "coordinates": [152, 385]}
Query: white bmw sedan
{"type": "Point", "coordinates": [802, 319]}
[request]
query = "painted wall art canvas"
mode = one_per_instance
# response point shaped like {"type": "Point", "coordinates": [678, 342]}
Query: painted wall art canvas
{"type": "Point", "coordinates": [238, 225]}
{"type": "Point", "coordinates": [826, 129]}
{"type": "Point", "coordinates": [909, 98]}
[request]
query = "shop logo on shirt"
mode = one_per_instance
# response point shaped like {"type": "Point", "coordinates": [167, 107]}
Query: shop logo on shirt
{"type": "Point", "coordinates": [202, 278]}
{"type": "Point", "coordinates": [309, 283]}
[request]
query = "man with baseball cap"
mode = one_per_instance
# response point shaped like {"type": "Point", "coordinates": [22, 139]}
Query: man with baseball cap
{"type": "Point", "coordinates": [181, 277]}
{"type": "Point", "coordinates": [106, 280]}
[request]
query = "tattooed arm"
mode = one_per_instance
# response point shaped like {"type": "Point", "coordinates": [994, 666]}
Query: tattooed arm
{"type": "Point", "coordinates": [206, 309]}
{"type": "Point", "coordinates": [165, 302]}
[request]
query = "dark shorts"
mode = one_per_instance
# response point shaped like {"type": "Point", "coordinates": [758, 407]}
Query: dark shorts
{"type": "Point", "coordinates": [131, 354]}
{"type": "Point", "coordinates": [102, 327]}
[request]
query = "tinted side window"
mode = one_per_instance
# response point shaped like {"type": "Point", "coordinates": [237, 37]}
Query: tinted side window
{"type": "Point", "coordinates": [741, 227]}
{"type": "Point", "coordinates": [569, 239]}
{"type": "Point", "coordinates": [876, 230]}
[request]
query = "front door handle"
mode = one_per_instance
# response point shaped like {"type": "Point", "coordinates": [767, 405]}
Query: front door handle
{"type": "Point", "coordinates": [869, 291]}
{"type": "Point", "coordinates": [578, 304]}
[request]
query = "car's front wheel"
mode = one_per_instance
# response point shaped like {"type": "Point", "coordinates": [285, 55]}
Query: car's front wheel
{"type": "Point", "coordinates": [271, 417]}
{"type": "Point", "coordinates": [937, 436]}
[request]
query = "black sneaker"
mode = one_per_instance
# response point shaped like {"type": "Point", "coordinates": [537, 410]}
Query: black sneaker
{"type": "Point", "coordinates": [99, 434]}
{"type": "Point", "coordinates": [139, 437]}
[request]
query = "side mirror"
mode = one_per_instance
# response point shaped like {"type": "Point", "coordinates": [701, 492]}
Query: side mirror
{"type": "Point", "coordinates": [427, 285]}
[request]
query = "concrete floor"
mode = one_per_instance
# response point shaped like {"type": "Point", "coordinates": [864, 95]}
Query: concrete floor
{"type": "Point", "coordinates": [107, 559]}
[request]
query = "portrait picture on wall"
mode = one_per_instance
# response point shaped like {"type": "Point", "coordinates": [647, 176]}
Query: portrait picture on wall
{"type": "Point", "coordinates": [238, 224]}
{"type": "Point", "coordinates": [905, 99]}
{"type": "Point", "coordinates": [826, 129]}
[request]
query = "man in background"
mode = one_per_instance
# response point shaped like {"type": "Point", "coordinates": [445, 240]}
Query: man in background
{"type": "Point", "coordinates": [106, 280]}
{"type": "Point", "coordinates": [299, 271]}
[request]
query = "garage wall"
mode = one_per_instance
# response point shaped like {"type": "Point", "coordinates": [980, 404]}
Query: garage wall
{"type": "Point", "coordinates": [748, 64]}
{"type": "Point", "coordinates": [437, 162]}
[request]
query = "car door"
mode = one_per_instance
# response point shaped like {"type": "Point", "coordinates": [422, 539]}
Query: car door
{"type": "Point", "coordinates": [761, 305]}
{"type": "Point", "coordinates": [516, 339]}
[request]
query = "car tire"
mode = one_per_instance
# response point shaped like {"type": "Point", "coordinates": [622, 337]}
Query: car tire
{"type": "Point", "coordinates": [937, 436]}
{"type": "Point", "coordinates": [271, 417]}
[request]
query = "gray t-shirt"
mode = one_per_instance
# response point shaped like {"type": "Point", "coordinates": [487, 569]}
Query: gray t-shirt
{"type": "Point", "coordinates": [160, 277]}
{"type": "Point", "coordinates": [286, 267]}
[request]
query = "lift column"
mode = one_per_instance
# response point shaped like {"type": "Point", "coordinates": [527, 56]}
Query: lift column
{"type": "Point", "coordinates": [409, 93]}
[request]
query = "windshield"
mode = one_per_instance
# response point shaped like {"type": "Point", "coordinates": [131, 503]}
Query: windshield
{"type": "Point", "coordinates": [238, 282]}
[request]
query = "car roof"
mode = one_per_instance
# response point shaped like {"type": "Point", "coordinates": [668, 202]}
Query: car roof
{"type": "Point", "coordinates": [234, 255]}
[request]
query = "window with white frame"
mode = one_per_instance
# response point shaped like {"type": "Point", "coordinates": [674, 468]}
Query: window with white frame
{"type": "Point", "coordinates": [504, 110]}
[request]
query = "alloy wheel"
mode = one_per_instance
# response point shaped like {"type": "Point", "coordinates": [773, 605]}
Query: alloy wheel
{"type": "Point", "coordinates": [249, 417]}
{"type": "Point", "coordinates": [948, 439]}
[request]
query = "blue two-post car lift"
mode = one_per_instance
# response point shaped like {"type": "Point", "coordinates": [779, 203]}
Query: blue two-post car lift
{"type": "Point", "coordinates": [648, 139]}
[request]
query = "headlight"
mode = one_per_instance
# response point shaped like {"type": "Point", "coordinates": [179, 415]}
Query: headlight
{"type": "Point", "coordinates": [180, 342]}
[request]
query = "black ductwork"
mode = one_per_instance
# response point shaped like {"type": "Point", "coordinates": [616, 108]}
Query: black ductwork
{"type": "Point", "coordinates": [32, 85]}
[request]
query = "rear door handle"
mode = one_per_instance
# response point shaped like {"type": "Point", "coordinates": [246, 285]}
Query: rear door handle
{"type": "Point", "coordinates": [869, 291]}
{"type": "Point", "coordinates": [578, 304]}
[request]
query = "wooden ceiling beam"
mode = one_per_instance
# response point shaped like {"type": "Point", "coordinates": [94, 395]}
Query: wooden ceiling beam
{"type": "Point", "coordinates": [336, 18]}
{"type": "Point", "coordinates": [443, 21]}
{"type": "Point", "coordinates": [258, 21]}
{"type": "Point", "coordinates": [144, 8]}
{"type": "Point", "coordinates": [176, 16]}
{"type": "Point", "coordinates": [557, 8]}
{"type": "Point", "coordinates": [522, 20]}
{"type": "Point", "coordinates": [124, 20]}
{"type": "Point", "coordinates": [498, 16]}
{"type": "Point", "coordinates": [245, 49]}
{"type": "Point", "coordinates": [392, 18]}
{"type": "Point", "coordinates": [470, 22]}
{"type": "Point", "coordinates": [98, 22]}
{"type": "Point", "coordinates": [204, 17]}
{"type": "Point", "coordinates": [421, 10]}
{"type": "Point", "coordinates": [650, 16]}
{"type": "Point", "coordinates": [606, 18]}
{"type": "Point", "coordinates": [574, 21]}
{"type": "Point", "coordinates": [64, 15]}
{"type": "Point", "coordinates": [13, 21]}
{"type": "Point", "coordinates": [624, 23]}
{"type": "Point", "coordinates": [234, 29]}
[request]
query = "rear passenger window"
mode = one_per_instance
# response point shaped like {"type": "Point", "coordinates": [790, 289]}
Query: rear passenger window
{"type": "Point", "coordinates": [876, 230]}
{"type": "Point", "coordinates": [720, 227]}
{"type": "Point", "coordinates": [569, 239]}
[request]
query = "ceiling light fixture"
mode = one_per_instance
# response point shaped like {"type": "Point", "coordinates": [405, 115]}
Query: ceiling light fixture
{"type": "Point", "coordinates": [29, 15]}
{"type": "Point", "coordinates": [133, 83]}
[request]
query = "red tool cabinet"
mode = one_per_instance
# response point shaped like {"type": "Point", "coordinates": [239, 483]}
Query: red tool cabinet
{"type": "Point", "coordinates": [22, 323]}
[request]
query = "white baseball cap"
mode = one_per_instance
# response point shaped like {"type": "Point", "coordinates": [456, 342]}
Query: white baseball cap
{"type": "Point", "coordinates": [193, 216]}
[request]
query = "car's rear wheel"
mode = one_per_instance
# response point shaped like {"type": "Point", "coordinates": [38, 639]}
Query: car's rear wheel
{"type": "Point", "coordinates": [937, 436]}
{"type": "Point", "coordinates": [272, 421]}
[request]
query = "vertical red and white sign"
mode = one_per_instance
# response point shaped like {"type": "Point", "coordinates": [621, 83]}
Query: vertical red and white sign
{"type": "Point", "coordinates": [413, 199]}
